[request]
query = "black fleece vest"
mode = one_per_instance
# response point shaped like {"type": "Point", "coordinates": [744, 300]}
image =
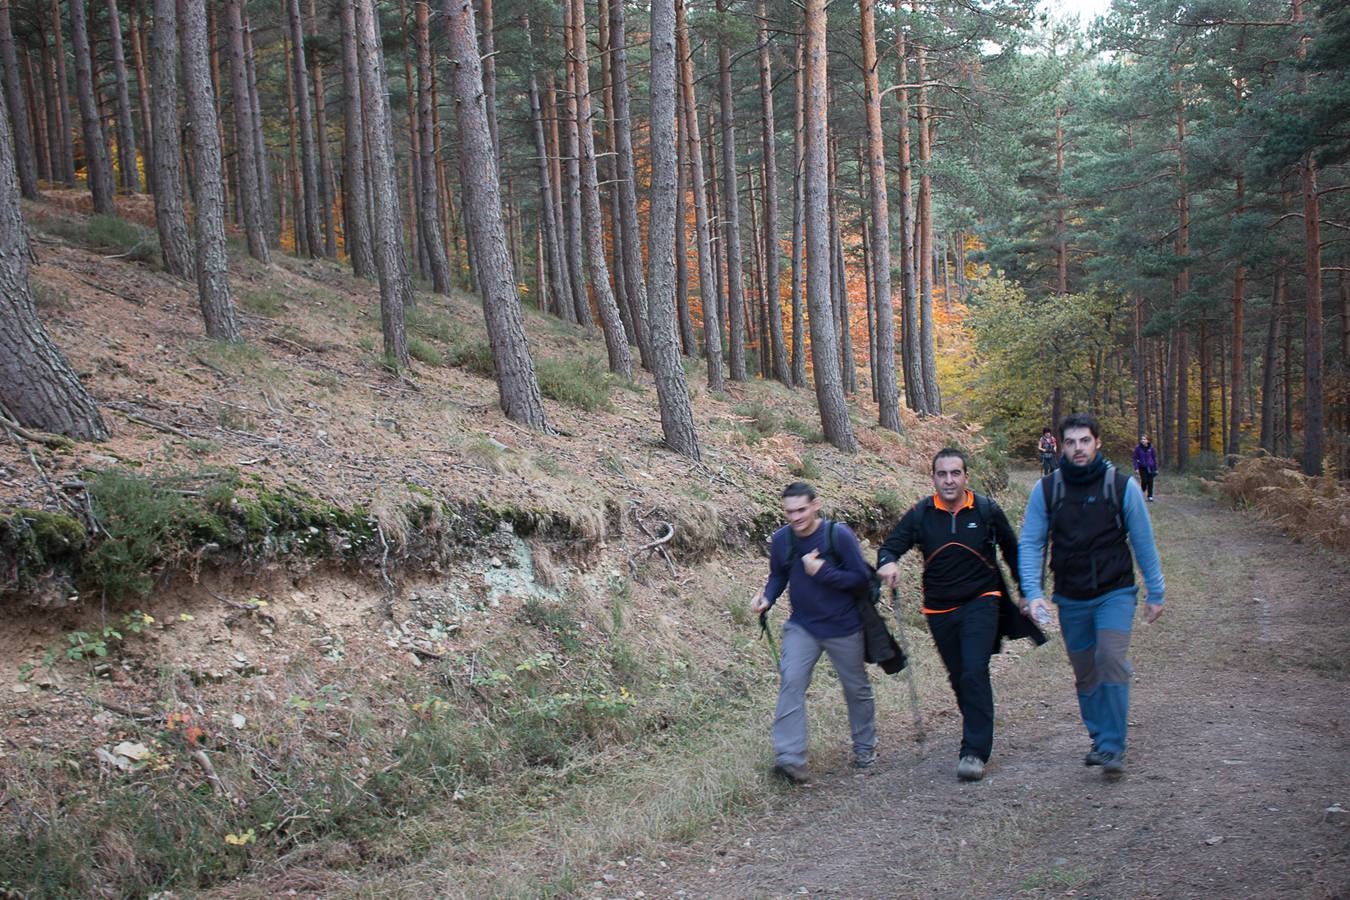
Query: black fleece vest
{"type": "Point", "coordinates": [1089, 551]}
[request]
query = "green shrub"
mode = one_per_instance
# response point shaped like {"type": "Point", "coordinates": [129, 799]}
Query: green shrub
{"type": "Point", "coordinates": [269, 303]}
{"type": "Point", "coordinates": [808, 469]}
{"type": "Point", "coordinates": [582, 383]}
{"type": "Point", "coordinates": [475, 356]}
{"type": "Point", "coordinates": [421, 351]}
{"type": "Point", "coordinates": [429, 324]}
{"type": "Point", "coordinates": [804, 430]}
{"type": "Point", "coordinates": [763, 422]}
{"type": "Point", "coordinates": [114, 235]}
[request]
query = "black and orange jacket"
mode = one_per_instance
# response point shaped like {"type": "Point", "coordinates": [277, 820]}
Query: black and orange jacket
{"type": "Point", "coordinates": [957, 548]}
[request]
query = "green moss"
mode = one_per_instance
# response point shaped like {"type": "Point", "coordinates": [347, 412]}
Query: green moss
{"type": "Point", "coordinates": [35, 544]}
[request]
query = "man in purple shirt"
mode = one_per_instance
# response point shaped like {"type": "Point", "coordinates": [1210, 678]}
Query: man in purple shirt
{"type": "Point", "coordinates": [821, 564]}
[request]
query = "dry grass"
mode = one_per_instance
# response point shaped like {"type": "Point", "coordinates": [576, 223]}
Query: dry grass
{"type": "Point", "coordinates": [1307, 508]}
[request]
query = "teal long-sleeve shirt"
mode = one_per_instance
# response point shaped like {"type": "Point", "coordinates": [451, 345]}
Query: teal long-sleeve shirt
{"type": "Point", "coordinates": [1036, 533]}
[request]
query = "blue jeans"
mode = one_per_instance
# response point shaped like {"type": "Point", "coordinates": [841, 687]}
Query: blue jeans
{"type": "Point", "coordinates": [801, 650]}
{"type": "Point", "coordinates": [1097, 638]}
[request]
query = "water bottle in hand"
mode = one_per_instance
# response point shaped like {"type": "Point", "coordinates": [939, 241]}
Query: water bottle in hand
{"type": "Point", "coordinates": [1042, 615]}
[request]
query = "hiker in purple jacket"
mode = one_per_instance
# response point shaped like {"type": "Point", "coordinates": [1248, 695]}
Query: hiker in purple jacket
{"type": "Point", "coordinates": [1146, 465]}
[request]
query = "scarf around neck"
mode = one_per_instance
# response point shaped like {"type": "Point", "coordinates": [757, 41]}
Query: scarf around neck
{"type": "Point", "coordinates": [1083, 474]}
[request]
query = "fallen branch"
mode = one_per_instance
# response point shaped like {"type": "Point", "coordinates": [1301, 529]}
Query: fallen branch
{"type": "Point", "coordinates": [156, 424]}
{"type": "Point", "coordinates": [201, 759]}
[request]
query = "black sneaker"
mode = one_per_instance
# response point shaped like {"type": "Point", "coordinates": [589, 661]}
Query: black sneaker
{"type": "Point", "coordinates": [864, 759]}
{"type": "Point", "coordinates": [1113, 764]}
{"type": "Point", "coordinates": [1094, 757]}
{"type": "Point", "coordinates": [790, 773]}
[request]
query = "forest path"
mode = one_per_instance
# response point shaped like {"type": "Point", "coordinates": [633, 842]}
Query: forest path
{"type": "Point", "coordinates": [1239, 746]}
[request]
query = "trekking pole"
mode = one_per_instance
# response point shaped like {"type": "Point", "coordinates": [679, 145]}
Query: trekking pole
{"type": "Point", "coordinates": [768, 636]}
{"type": "Point", "coordinates": [919, 734]}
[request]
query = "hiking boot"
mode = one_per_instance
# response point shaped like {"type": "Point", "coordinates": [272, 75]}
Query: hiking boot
{"type": "Point", "coordinates": [790, 773]}
{"type": "Point", "coordinates": [863, 759]}
{"type": "Point", "coordinates": [1113, 764]}
{"type": "Point", "coordinates": [1094, 757]}
{"type": "Point", "coordinates": [971, 768]}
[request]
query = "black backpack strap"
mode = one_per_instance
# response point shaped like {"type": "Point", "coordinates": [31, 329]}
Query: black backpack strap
{"type": "Point", "coordinates": [1052, 489]}
{"type": "Point", "coordinates": [1114, 485]}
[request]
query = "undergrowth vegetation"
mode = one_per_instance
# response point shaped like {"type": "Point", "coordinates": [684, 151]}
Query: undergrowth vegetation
{"type": "Point", "coordinates": [1305, 507]}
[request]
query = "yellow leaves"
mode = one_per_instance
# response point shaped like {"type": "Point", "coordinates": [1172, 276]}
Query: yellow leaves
{"type": "Point", "coordinates": [242, 840]}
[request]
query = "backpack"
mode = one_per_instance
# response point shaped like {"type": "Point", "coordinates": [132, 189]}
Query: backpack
{"type": "Point", "coordinates": [1113, 486]}
{"type": "Point", "coordinates": [869, 592]}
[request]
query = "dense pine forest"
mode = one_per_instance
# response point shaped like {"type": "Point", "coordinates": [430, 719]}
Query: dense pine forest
{"type": "Point", "coordinates": [974, 208]}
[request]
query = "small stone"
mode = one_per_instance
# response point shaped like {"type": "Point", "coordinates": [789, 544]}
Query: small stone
{"type": "Point", "coordinates": [413, 659]}
{"type": "Point", "coordinates": [1215, 840]}
{"type": "Point", "coordinates": [238, 721]}
{"type": "Point", "coordinates": [132, 751]}
{"type": "Point", "coordinates": [1336, 815]}
{"type": "Point", "coordinates": [496, 562]}
{"type": "Point", "coordinates": [19, 688]}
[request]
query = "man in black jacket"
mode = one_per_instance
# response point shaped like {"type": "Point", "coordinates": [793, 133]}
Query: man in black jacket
{"type": "Point", "coordinates": [956, 531]}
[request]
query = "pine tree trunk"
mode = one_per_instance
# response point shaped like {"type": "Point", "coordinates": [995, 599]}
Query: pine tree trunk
{"type": "Point", "coordinates": [395, 284]}
{"type": "Point", "coordinates": [911, 356]}
{"type": "Point", "coordinates": [1182, 288]}
{"type": "Point", "coordinates": [1140, 366]}
{"type": "Point", "coordinates": [630, 232]}
{"type": "Point", "coordinates": [170, 220]}
{"type": "Point", "coordinates": [65, 119]}
{"type": "Point", "coordinates": [250, 194]}
{"type": "Point", "coordinates": [926, 360]}
{"type": "Point", "coordinates": [24, 157]}
{"type": "Point", "coordinates": [126, 136]}
{"type": "Point", "coordinates": [888, 399]}
{"type": "Point", "coordinates": [487, 41]}
{"type": "Point", "coordinates": [326, 190]}
{"type": "Point", "coordinates": [1204, 355]}
{"type": "Point", "coordinates": [572, 184]}
{"type": "Point", "coordinates": [430, 224]}
{"type": "Point", "coordinates": [571, 259]}
{"type": "Point", "coordinates": [301, 236]}
{"type": "Point", "coordinates": [672, 391]}
{"type": "Point", "coordinates": [559, 296]}
{"type": "Point", "coordinates": [355, 198]}
{"type": "Point", "coordinates": [687, 337]}
{"type": "Point", "coordinates": [798, 198]}
{"type": "Point", "coordinates": [712, 331]}
{"type": "Point", "coordinates": [308, 160]}
{"type": "Point", "coordinates": [772, 254]}
{"type": "Point", "coordinates": [38, 110]}
{"type": "Point", "coordinates": [37, 386]}
{"type": "Point", "coordinates": [824, 344]}
{"type": "Point", "coordinates": [517, 387]}
{"type": "Point", "coordinates": [213, 286]}
{"type": "Point", "coordinates": [839, 281]}
{"type": "Point", "coordinates": [98, 165]}
{"type": "Point", "coordinates": [260, 155]}
{"type": "Point", "coordinates": [731, 219]}
{"type": "Point", "coordinates": [136, 20]}
{"type": "Point", "coordinates": [616, 341]}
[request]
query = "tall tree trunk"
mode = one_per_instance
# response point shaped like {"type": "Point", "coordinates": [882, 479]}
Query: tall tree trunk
{"type": "Point", "coordinates": [911, 356]}
{"type": "Point", "coordinates": [798, 199]}
{"type": "Point", "coordinates": [174, 244]}
{"type": "Point", "coordinates": [731, 218]}
{"type": "Point", "coordinates": [574, 226]}
{"type": "Point", "coordinates": [1234, 445]}
{"type": "Point", "coordinates": [772, 254]}
{"type": "Point", "coordinates": [677, 417]}
{"type": "Point", "coordinates": [630, 233]}
{"type": "Point", "coordinates": [250, 192]}
{"type": "Point", "coordinates": [126, 136]}
{"type": "Point", "coordinates": [292, 160]}
{"type": "Point", "coordinates": [37, 98]}
{"type": "Point", "coordinates": [608, 176]}
{"type": "Point", "coordinates": [824, 344]}
{"type": "Point", "coordinates": [1140, 366]}
{"type": "Point", "coordinates": [65, 120]}
{"type": "Point", "coordinates": [98, 166]}
{"type": "Point", "coordinates": [517, 387]}
{"type": "Point", "coordinates": [308, 161]}
{"type": "Point", "coordinates": [888, 399]}
{"type": "Point", "coordinates": [553, 133]}
{"type": "Point", "coordinates": [213, 285]}
{"type": "Point", "coordinates": [487, 40]}
{"type": "Point", "coordinates": [260, 157]}
{"type": "Point", "coordinates": [355, 198]}
{"type": "Point", "coordinates": [24, 157]}
{"type": "Point", "coordinates": [927, 333]}
{"type": "Point", "coordinates": [1183, 288]}
{"type": "Point", "coordinates": [559, 297]}
{"type": "Point", "coordinates": [390, 262]}
{"type": "Point", "coordinates": [839, 279]}
{"type": "Point", "coordinates": [430, 205]}
{"type": "Point", "coordinates": [1204, 354]}
{"type": "Point", "coordinates": [712, 330]}
{"type": "Point", "coordinates": [326, 192]}
{"type": "Point", "coordinates": [37, 386]}
{"type": "Point", "coordinates": [136, 19]}
{"type": "Point", "coordinates": [687, 337]}
{"type": "Point", "coordinates": [616, 342]}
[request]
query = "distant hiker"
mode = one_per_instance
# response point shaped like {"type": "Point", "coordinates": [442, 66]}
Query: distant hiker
{"type": "Point", "coordinates": [821, 563]}
{"type": "Point", "coordinates": [1146, 465]}
{"type": "Point", "coordinates": [965, 598]}
{"type": "Point", "coordinates": [1094, 518]}
{"type": "Point", "coordinates": [1047, 448]}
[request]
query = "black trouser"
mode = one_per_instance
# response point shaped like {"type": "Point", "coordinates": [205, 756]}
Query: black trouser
{"type": "Point", "coordinates": [1047, 463]}
{"type": "Point", "coordinates": [1146, 482]}
{"type": "Point", "coordinates": [965, 639]}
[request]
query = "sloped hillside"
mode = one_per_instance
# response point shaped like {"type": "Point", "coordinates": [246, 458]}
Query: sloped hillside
{"type": "Point", "coordinates": [296, 607]}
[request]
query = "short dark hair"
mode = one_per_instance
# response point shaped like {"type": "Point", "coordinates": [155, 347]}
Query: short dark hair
{"type": "Point", "coordinates": [951, 451]}
{"type": "Point", "coordinates": [1080, 420]}
{"type": "Point", "coordinates": [1046, 431]}
{"type": "Point", "coordinates": [799, 489]}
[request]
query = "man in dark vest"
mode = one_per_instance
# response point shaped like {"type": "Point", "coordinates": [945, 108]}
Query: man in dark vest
{"type": "Point", "coordinates": [820, 562]}
{"type": "Point", "coordinates": [957, 530]}
{"type": "Point", "coordinates": [1097, 526]}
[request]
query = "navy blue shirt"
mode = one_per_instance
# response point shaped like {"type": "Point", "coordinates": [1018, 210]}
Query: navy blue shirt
{"type": "Point", "coordinates": [823, 603]}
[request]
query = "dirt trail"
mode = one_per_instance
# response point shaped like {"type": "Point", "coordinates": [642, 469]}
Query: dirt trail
{"type": "Point", "coordinates": [1238, 748]}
